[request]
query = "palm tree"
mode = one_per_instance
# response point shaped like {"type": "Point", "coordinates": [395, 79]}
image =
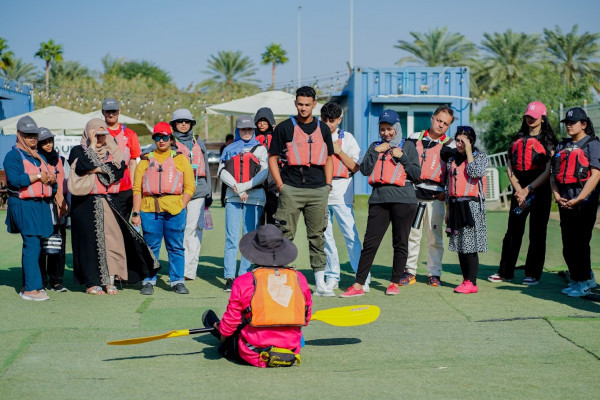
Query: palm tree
{"type": "Point", "coordinates": [229, 71]}
{"type": "Point", "coordinates": [507, 56]}
{"type": "Point", "coordinates": [112, 66]}
{"type": "Point", "coordinates": [19, 71]}
{"type": "Point", "coordinates": [274, 54]}
{"type": "Point", "coordinates": [573, 54]}
{"type": "Point", "coordinates": [6, 57]}
{"type": "Point", "coordinates": [49, 52]}
{"type": "Point", "coordinates": [437, 48]}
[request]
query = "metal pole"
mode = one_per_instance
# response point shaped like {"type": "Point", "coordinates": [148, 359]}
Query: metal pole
{"type": "Point", "coordinates": [351, 34]}
{"type": "Point", "coordinates": [299, 60]}
{"type": "Point", "coordinates": [205, 126]}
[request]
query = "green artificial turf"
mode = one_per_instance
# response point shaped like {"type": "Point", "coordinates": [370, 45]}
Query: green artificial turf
{"type": "Point", "coordinates": [508, 341]}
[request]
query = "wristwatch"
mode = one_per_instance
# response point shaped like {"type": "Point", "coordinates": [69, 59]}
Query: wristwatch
{"type": "Point", "coordinates": [530, 188]}
{"type": "Point", "coordinates": [135, 214]}
{"type": "Point", "coordinates": [39, 176]}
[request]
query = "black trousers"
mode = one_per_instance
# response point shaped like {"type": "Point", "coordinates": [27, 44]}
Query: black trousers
{"type": "Point", "coordinates": [401, 215]}
{"type": "Point", "coordinates": [52, 267]}
{"type": "Point", "coordinates": [576, 228]}
{"type": "Point", "coordinates": [125, 203]}
{"type": "Point", "coordinates": [469, 265]}
{"type": "Point", "coordinates": [539, 213]}
{"type": "Point", "coordinates": [270, 208]}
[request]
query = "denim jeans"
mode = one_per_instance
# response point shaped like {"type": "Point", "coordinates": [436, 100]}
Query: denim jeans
{"type": "Point", "coordinates": [238, 215]}
{"type": "Point", "coordinates": [157, 226]}
{"type": "Point", "coordinates": [344, 214]}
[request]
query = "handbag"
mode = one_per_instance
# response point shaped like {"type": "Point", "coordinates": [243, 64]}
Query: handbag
{"type": "Point", "coordinates": [80, 185]}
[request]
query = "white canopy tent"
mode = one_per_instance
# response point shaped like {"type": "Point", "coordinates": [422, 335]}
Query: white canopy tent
{"type": "Point", "coordinates": [281, 103]}
{"type": "Point", "coordinates": [138, 126]}
{"type": "Point", "coordinates": [58, 120]}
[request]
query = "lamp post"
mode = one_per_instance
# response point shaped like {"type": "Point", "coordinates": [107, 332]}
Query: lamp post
{"type": "Point", "coordinates": [299, 60]}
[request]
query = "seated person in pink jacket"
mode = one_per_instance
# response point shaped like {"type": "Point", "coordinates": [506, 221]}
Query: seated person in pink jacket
{"type": "Point", "coordinates": [268, 306]}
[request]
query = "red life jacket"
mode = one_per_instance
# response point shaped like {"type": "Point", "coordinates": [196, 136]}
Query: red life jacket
{"type": "Point", "coordinates": [339, 168]}
{"type": "Point", "coordinates": [526, 154]}
{"type": "Point", "coordinates": [162, 179]}
{"type": "Point", "coordinates": [243, 166]}
{"type": "Point", "coordinates": [571, 165]}
{"type": "Point", "coordinates": [100, 188]}
{"type": "Point", "coordinates": [121, 140]}
{"type": "Point", "coordinates": [265, 140]}
{"type": "Point", "coordinates": [277, 299]}
{"type": "Point", "coordinates": [387, 171]}
{"type": "Point", "coordinates": [37, 189]}
{"type": "Point", "coordinates": [306, 150]}
{"type": "Point", "coordinates": [460, 184]}
{"type": "Point", "coordinates": [432, 167]}
{"type": "Point", "coordinates": [196, 158]}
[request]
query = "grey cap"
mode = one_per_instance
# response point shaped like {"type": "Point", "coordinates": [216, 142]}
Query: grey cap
{"type": "Point", "coordinates": [110, 104]}
{"type": "Point", "coordinates": [28, 125]}
{"type": "Point", "coordinates": [45, 134]}
{"type": "Point", "coordinates": [245, 121]}
{"type": "Point", "coordinates": [183, 113]}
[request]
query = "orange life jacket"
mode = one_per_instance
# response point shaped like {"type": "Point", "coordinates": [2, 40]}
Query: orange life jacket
{"type": "Point", "coordinates": [387, 171]}
{"type": "Point", "coordinates": [196, 158]}
{"type": "Point", "coordinates": [340, 170]}
{"type": "Point", "coordinates": [265, 140]}
{"type": "Point", "coordinates": [243, 166]}
{"type": "Point", "coordinates": [278, 299]}
{"type": "Point", "coordinates": [37, 189]}
{"type": "Point", "coordinates": [100, 188]}
{"type": "Point", "coordinates": [306, 150]}
{"type": "Point", "coordinates": [526, 154]}
{"type": "Point", "coordinates": [60, 176]}
{"type": "Point", "coordinates": [461, 185]}
{"type": "Point", "coordinates": [432, 167]}
{"type": "Point", "coordinates": [121, 140]}
{"type": "Point", "coordinates": [161, 179]}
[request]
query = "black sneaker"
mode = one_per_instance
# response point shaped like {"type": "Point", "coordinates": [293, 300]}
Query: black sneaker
{"type": "Point", "coordinates": [147, 289]}
{"type": "Point", "coordinates": [209, 319]}
{"type": "Point", "coordinates": [58, 288]}
{"type": "Point", "coordinates": [180, 289]}
{"type": "Point", "coordinates": [228, 285]}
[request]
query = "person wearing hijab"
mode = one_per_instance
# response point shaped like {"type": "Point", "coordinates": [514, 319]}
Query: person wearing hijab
{"type": "Point", "coordinates": [52, 266]}
{"type": "Point", "coordinates": [265, 123]}
{"type": "Point", "coordinates": [31, 182]}
{"type": "Point", "coordinates": [243, 169]}
{"type": "Point", "coordinates": [392, 165]}
{"type": "Point", "coordinates": [105, 246]}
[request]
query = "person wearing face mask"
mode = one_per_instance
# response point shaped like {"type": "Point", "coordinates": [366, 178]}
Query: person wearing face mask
{"type": "Point", "coordinates": [528, 170]}
{"type": "Point", "coordinates": [243, 169]}
{"type": "Point", "coordinates": [465, 214]}
{"type": "Point", "coordinates": [392, 165]}
{"type": "Point", "coordinates": [575, 175]}
{"type": "Point", "coordinates": [105, 246]}
{"type": "Point", "coordinates": [31, 182]}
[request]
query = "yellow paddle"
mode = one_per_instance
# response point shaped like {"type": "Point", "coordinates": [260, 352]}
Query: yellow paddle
{"type": "Point", "coordinates": [340, 316]}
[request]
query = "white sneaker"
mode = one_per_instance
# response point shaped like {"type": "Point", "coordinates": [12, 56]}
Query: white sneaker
{"type": "Point", "coordinates": [39, 296]}
{"type": "Point", "coordinates": [366, 288]}
{"type": "Point", "coordinates": [569, 288]}
{"type": "Point", "coordinates": [322, 290]}
{"type": "Point", "coordinates": [580, 289]}
{"type": "Point", "coordinates": [332, 284]}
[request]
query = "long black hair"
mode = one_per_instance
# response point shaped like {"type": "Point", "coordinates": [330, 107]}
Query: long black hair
{"type": "Point", "coordinates": [547, 137]}
{"type": "Point", "coordinates": [589, 128]}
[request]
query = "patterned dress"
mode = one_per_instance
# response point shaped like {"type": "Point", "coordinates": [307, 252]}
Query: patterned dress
{"type": "Point", "coordinates": [473, 239]}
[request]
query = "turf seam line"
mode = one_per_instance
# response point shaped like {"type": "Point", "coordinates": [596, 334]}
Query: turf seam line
{"type": "Point", "coordinates": [538, 318]}
{"type": "Point", "coordinates": [571, 341]}
{"type": "Point", "coordinates": [467, 317]}
{"type": "Point", "coordinates": [21, 349]}
{"type": "Point", "coordinates": [144, 306]}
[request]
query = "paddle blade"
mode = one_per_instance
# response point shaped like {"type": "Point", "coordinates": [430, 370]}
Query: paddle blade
{"type": "Point", "coordinates": [125, 342]}
{"type": "Point", "coordinates": [348, 315]}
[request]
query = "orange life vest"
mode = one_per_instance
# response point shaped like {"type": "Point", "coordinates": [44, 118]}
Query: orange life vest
{"type": "Point", "coordinates": [461, 185]}
{"type": "Point", "coordinates": [340, 170]}
{"type": "Point", "coordinates": [37, 189]}
{"type": "Point", "coordinates": [100, 188]}
{"type": "Point", "coordinates": [527, 153]}
{"type": "Point", "coordinates": [387, 171]}
{"type": "Point", "coordinates": [265, 140]}
{"type": "Point", "coordinates": [243, 166]}
{"type": "Point", "coordinates": [196, 158]}
{"type": "Point", "coordinates": [161, 179]}
{"type": "Point", "coordinates": [121, 140]}
{"type": "Point", "coordinates": [432, 167]}
{"type": "Point", "coordinates": [60, 176]}
{"type": "Point", "coordinates": [278, 299]}
{"type": "Point", "coordinates": [306, 150]}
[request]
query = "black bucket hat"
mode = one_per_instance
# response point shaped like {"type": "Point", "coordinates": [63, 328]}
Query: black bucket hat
{"type": "Point", "coordinates": [267, 247]}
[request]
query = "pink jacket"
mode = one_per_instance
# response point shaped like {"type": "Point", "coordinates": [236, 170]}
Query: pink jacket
{"type": "Point", "coordinates": [287, 337]}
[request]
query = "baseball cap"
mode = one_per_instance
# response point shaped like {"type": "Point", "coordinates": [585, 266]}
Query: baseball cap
{"type": "Point", "coordinates": [535, 109]}
{"type": "Point", "coordinates": [575, 114]}
{"type": "Point", "coordinates": [28, 125]}
{"type": "Point", "coordinates": [110, 104]}
{"type": "Point", "coordinates": [389, 116]}
{"type": "Point", "coordinates": [162, 128]}
{"type": "Point", "coordinates": [245, 121]}
{"type": "Point", "coordinates": [45, 134]}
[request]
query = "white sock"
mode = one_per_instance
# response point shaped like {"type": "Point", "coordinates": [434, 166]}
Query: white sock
{"type": "Point", "coordinates": [319, 277]}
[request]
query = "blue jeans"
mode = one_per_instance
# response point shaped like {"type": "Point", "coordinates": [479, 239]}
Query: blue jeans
{"type": "Point", "coordinates": [157, 226]}
{"type": "Point", "coordinates": [344, 214]}
{"type": "Point", "coordinates": [237, 214]}
{"type": "Point", "coordinates": [32, 277]}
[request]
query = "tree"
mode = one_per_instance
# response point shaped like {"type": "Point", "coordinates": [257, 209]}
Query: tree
{"type": "Point", "coordinates": [20, 71]}
{"type": "Point", "coordinates": [68, 70]}
{"type": "Point", "coordinates": [573, 54]}
{"type": "Point", "coordinates": [230, 72]}
{"type": "Point", "coordinates": [49, 52]}
{"type": "Point", "coordinates": [437, 48]}
{"type": "Point", "coordinates": [111, 65]}
{"type": "Point", "coordinates": [6, 56]}
{"type": "Point", "coordinates": [274, 54]}
{"type": "Point", "coordinates": [508, 54]}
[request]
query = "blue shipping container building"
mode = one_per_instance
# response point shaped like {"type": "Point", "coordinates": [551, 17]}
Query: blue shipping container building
{"type": "Point", "coordinates": [413, 92]}
{"type": "Point", "coordinates": [15, 99]}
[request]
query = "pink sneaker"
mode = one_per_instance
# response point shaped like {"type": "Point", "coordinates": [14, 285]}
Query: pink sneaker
{"type": "Point", "coordinates": [352, 292]}
{"type": "Point", "coordinates": [392, 289]}
{"type": "Point", "coordinates": [466, 287]}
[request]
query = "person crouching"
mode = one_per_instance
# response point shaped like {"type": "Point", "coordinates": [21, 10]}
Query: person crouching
{"type": "Point", "coordinates": [268, 306]}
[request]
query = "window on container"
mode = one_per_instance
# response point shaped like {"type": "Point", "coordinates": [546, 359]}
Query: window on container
{"type": "Point", "coordinates": [422, 120]}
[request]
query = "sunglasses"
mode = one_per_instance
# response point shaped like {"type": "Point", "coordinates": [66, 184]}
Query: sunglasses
{"type": "Point", "coordinates": [161, 138]}
{"type": "Point", "coordinates": [183, 121]}
{"type": "Point", "coordinates": [571, 122]}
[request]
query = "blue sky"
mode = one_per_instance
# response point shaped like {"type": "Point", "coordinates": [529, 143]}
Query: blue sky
{"type": "Point", "coordinates": [180, 36]}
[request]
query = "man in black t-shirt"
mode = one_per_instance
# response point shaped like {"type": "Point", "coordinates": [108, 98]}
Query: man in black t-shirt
{"type": "Point", "coordinates": [304, 145]}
